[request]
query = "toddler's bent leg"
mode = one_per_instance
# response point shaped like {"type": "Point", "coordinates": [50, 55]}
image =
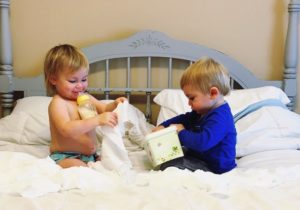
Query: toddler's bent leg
{"type": "Point", "coordinates": [178, 163]}
{"type": "Point", "coordinates": [70, 162]}
{"type": "Point", "coordinates": [187, 162]}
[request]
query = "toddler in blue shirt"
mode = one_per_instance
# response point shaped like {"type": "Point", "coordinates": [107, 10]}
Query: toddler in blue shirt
{"type": "Point", "coordinates": [207, 133]}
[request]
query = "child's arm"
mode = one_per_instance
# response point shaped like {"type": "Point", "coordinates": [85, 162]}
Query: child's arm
{"type": "Point", "coordinates": [111, 106]}
{"type": "Point", "coordinates": [179, 127]}
{"type": "Point", "coordinates": [176, 121]}
{"type": "Point", "coordinates": [102, 107]}
{"type": "Point", "coordinates": [158, 128]}
{"type": "Point", "coordinates": [207, 134]}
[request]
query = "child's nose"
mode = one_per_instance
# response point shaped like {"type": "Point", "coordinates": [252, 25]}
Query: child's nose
{"type": "Point", "coordinates": [79, 85]}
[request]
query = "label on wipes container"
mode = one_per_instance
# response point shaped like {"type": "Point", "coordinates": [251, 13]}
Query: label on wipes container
{"type": "Point", "coordinates": [163, 145]}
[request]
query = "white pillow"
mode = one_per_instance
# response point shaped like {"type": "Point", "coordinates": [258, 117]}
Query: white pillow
{"type": "Point", "coordinates": [164, 114]}
{"type": "Point", "coordinates": [268, 128]}
{"type": "Point", "coordinates": [240, 99]}
{"type": "Point", "coordinates": [33, 105]}
{"type": "Point", "coordinates": [28, 123]}
{"type": "Point", "coordinates": [174, 102]}
{"type": "Point", "coordinates": [172, 99]}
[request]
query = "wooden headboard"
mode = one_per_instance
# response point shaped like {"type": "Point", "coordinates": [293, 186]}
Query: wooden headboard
{"type": "Point", "coordinates": [150, 49]}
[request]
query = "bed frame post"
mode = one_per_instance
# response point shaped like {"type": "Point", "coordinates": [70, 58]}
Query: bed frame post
{"type": "Point", "coordinates": [291, 53]}
{"type": "Point", "coordinates": [6, 69]}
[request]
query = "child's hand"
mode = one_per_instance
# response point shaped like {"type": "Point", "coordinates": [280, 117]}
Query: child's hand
{"type": "Point", "coordinates": [108, 118]}
{"type": "Point", "coordinates": [120, 100]}
{"type": "Point", "coordinates": [113, 105]}
{"type": "Point", "coordinates": [179, 127]}
{"type": "Point", "coordinates": [158, 128]}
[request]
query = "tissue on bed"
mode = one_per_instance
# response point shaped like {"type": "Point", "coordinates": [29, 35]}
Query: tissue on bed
{"type": "Point", "coordinates": [114, 155]}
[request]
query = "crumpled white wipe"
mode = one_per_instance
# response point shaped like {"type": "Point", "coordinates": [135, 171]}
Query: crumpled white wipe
{"type": "Point", "coordinates": [114, 155]}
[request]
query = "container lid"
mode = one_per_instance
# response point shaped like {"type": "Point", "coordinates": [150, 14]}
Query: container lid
{"type": "Point", "coordinates": [161, 132]}
{"type": "Point", "coordinates": [81, 98]}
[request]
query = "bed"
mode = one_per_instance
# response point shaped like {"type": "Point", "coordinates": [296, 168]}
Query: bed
{"type": "Point", "coordinates": [145, 67]}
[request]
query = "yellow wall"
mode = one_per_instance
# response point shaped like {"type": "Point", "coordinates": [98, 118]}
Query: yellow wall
{"type": "Point", "coordinates": [252, 31]}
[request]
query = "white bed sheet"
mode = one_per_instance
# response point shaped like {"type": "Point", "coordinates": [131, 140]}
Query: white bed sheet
{"type": "Point", "coordinates": [29, 179]}
{"type": "Point", "coordinates": [32, 183]}
{"type": "Point", "coordinates": [39, 151]}
{"type": "Point", "coordinates": [270, 159]}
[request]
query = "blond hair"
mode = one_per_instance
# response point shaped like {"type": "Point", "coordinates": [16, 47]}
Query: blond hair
{"type": "Point", "coordinates": [60, 57]}
{"type": "Point", "coordinates": [206, 73]}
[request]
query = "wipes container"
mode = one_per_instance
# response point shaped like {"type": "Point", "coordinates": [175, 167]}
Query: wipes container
{"type": "Point", "coordinates": [163, 145]}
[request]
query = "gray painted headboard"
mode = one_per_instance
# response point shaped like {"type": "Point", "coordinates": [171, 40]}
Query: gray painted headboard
{"type": "Point", "coordinates": [147, 45]}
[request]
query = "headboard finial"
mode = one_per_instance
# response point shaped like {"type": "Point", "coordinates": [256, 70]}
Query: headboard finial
{"type": "Point", "coordinates": [6, 69]}
{"type": "Point", "coordinates": [294, 6]}
{"type": "Point", "coordinates": [291, 53]}
{"type": "Point", "coordinates": [4, 3]}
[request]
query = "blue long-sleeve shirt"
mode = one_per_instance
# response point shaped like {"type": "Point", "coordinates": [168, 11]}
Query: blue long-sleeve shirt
{"type": "Point", "coordinates": [211, 137]}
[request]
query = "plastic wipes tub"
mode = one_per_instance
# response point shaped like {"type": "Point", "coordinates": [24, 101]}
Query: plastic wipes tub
{"type": "Point", "coordinates": [163, 145]}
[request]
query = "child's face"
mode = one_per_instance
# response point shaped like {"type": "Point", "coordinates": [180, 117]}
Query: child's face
{"type": "Point", "coordinates": [69, 84]}
{"type": "Point", "coordinates": [199, 102]}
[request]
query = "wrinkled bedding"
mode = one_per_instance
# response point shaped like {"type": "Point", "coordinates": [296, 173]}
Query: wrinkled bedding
{"type": "Point", "coordinates": [33, 183]}
{"type": "Point", "coordinates": [267, 176]}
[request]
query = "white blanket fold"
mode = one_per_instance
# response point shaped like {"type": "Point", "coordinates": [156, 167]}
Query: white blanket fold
{"type": "Point", "coordinates": [114, 155]}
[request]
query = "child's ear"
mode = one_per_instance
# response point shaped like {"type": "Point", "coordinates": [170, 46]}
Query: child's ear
{"type": "Point", "coordinates": [52, 80]}
{"type": "Point", "coordinates": [214, 92]}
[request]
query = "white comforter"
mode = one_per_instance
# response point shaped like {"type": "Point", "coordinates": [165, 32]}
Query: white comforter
{"type": "Point", "coordinates": [32, 183]}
